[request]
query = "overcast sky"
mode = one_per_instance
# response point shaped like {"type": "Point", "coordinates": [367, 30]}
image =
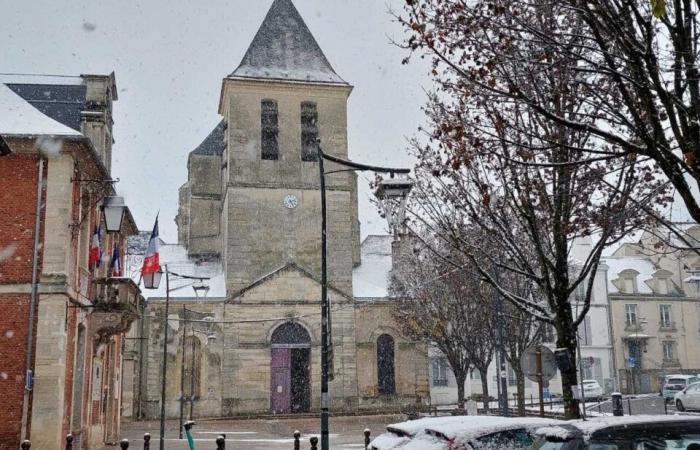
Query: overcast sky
{"type": "Point", "coordinates": [169, 57]}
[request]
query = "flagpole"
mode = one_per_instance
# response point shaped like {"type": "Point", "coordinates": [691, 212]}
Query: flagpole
{"type": "Point", "coordinates": [165, 359]}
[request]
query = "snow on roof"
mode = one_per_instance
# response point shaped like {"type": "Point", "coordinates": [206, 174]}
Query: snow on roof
{"type": "Point", "coordinates": [617, 265]}
{"type": "Point", "coordinates": [32, 78]}
{"type": "Point", "coordinates": [19, 118]}
{"type": "Point", "coordinates": [284, 49]}
{"type": "Point", "coordinates": [178, 262]}
{"type": "Point", "coordinates": [387, 441]}
{"type": "Point", "coordinates": [588, 427]}
{"type": "Point", "coordinates": [371, 278]}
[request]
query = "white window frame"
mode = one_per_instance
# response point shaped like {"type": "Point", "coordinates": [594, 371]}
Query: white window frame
{"type": "Point", "coordinates": [631, 312]}
{"type": "Point", "coordinates": [669, 351]}
{"type": "Point", "coordinates": [665, 315]}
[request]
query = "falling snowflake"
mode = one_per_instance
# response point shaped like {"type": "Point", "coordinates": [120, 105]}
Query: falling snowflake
{"type": "Point", "coordinates": [7, 252]}
{"type": "Point", "coordinates": [49, 147]}
{"type": "Point", "coordinates": [9, 334]}
{"type": "Point", "coordinates": [89, 26]}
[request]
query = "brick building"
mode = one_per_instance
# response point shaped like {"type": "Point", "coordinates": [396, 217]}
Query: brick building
{"type": "Point", "coordinates": [62, 321]}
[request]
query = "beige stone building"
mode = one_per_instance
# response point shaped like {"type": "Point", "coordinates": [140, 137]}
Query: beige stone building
{"type": "Point", "coordinates": [655, 308]}
{"type": "Point", "coordinates": [250, 221]}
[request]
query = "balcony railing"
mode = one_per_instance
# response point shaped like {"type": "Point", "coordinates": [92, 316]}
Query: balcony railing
{"type": "Point", "coordinates": [668, 326]}
{"type": "Point", "coordinates": [116, 303]}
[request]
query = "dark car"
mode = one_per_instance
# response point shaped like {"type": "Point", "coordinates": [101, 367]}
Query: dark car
{"type": "Point", "coordinates": [622, 433]}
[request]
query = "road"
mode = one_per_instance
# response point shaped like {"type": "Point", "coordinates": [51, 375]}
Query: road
{"type": "Point", "coordinates": [642, 404]}
{"type": "Point", "coordinates": [260, 434]}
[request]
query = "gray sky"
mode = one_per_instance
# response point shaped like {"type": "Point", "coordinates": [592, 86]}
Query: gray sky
{"type": "Point", "coordinates": [170, 56]}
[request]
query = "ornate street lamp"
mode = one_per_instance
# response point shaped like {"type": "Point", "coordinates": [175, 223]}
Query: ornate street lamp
{"type": "Point", "coordinates": [393, 196]}
{"type": "Point", "coordinates": [113, 210]}
{"type": "Point", "coordinates": [200, 288]}
{"type": "Point", "coordinates": [152, 280]}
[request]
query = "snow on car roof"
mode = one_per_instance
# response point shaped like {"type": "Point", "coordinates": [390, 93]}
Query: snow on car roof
{"type": "Point", "coordinates": [388, 441]}
{"type": "Point", "coordinates": [471, 427]}
{"type": "Point", "coordinates": [587, 428]}
{"type": "Point", "coordinates": [411, 427]}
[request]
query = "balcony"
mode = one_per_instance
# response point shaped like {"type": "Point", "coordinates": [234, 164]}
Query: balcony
{"type": "Point", "coordinates": [116, 303]}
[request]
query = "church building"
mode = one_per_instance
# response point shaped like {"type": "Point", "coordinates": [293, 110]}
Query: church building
{"type": "Point", "coordinates": [245, 338]}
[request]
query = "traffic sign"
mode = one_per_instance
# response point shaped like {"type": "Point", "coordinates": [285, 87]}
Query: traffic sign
{"type": "Point", "coordinates": [528, 362]}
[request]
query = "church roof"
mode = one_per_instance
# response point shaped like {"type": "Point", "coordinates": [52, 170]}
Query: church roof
{"type": "Point", "coordinates": [285, 49]}
{"type": "Point", "coordinates": [214, 144]}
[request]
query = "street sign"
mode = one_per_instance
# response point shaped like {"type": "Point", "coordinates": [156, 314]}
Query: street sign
{"type": "Point", "coordinates": [528, 362]}
{"type": "Point", "coordinates": [631, 362]}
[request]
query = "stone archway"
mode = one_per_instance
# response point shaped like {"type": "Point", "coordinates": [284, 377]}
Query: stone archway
{"type": "Point", "coordinates": [290, 361]}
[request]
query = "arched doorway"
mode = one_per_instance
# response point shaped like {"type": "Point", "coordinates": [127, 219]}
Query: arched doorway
{"type": "Point", "coordinates": [290, 381]}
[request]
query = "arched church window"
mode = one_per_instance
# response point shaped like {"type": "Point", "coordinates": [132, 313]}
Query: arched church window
{"type": "Point", "coordinates": [309, 131]}
{"type": "Point", "coordinates": [385, 364]}
{"type": "Point", "coordinates": [193, 367]}
{"type": "Point", "coordinates": [269, 130]}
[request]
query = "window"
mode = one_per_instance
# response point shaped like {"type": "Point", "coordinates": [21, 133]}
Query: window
{"type": "Point", "coordinates": [385, 364]}
{"type": "Point", "coordinates": [549, 336]}
{"type": "Point", "coordinates": [440, 369]}
{"type": "Point", "coordinates": [592, 368]}
{"type": "Point", "coordinates": [269, 130]}
{"type": "Point", "coordinates": [665, 319]}
{"type": "Point", "coordinates": [309, 132]}
{"type": "Point", "coordinates": [669, 349]}
{"type": "Point", "coordinates": [193, 367]}
{"type": "Point", "coordinates": [584, 332]}
{"type": "Point", "coordinates": [630, 314]}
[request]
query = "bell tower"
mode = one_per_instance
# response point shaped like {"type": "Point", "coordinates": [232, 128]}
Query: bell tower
{"type": "Point", "coordinates": [281, 99]}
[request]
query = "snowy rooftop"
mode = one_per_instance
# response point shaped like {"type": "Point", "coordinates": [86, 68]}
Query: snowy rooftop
{"type": "Point", "coordinates": [33, 78]}
{"type": "Point", "coordinates": [371, 278]}
{"type": "Point", "coordinates": [175, 256]}
{"type": "Point", "coordinates": [617, 265]}
{"type": "Point", "coordinates": [589, 427]}
{"type": "Point", "coordinates": [285, 49]}
{"type": "Point", "coordinates": [19, 118]}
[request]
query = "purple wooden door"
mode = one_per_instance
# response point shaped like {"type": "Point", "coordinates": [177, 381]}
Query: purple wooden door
{"type": "Point", "coordinates": [280, 380]}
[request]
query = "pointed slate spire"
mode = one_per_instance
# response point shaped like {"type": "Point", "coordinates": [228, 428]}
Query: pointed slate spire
{"type": "Point", "coordinates": [285, 49]}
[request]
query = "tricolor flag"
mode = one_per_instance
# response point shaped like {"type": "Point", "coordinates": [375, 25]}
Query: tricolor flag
{"type": "Point", "coordinates": [115, 268]}
{"type": "Point", "coordinates": [95, 249]}
{"type": "Point", "coordinates": [151, 262]}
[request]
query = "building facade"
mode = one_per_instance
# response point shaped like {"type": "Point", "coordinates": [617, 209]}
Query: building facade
{"type": "Point", "coordinates": [250, 221]}
{"type": "Point", "coordinates": [63, 321]}
{"type": "Point", "coordinates": [655, 304]}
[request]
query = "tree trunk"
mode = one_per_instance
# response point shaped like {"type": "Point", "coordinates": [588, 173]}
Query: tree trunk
{"type": "Point", "coordinates": [520, 379]}
{"type": "Point", "coordinates": [461, 378]}
{"type": "Point", "coordinates": [566, 339]}
{"type": "Point", "coordinates": [483, 374]}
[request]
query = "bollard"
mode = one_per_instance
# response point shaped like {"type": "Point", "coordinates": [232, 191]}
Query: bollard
{"type": "Point", "coordinates": [665, 406]}
{"type": "Point", "coordinates": [616, 399]}
{"type": "Point", "coordinates": [314, 443]}
{"type": "Point", "coordinates": [124, 444]}
{"type": "Point", "coordinates": [629, 406]}
{"type": "Point", "coordinates": [220, 443]}
{"type": "Point", "coordinates": [147, 441]}
{"type": "Point", "coordinates": [26, 445]}
{"type": "Point", "coordinates": [297, 444]}
{"type": "Point", "coordinates": [69, 441]}
{"type": "Point", "coordinates": [367, 433]}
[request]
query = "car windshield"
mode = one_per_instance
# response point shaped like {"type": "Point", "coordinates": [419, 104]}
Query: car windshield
{"type": "Point", "coordinates": [677, 381]}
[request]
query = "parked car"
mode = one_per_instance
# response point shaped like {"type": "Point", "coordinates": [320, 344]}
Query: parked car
{"type": "Point", "coordinates": [592, 390]}
{"type": "Point", "coordinates": [622, 433]}
{"type": "Point", "coordinates": [676, 384]}
{"type": "Point", "coordinates": [688, 398]}
{"type": "Point", "coordinates": [462, 433]}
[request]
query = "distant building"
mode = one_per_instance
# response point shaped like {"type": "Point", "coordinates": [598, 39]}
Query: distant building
{"type": "Point", "coordinates": [56, 135]}
{"type": "Point", "coordinates": [655, 303]}
{"type": "Point", "coordinates": [249, 218]}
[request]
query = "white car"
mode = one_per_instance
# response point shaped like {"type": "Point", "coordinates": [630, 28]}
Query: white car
{"type": "Point", "coordinates": [592, 390]}
{"type": "Point", "coordinates": [462, 433]}
{"type": "Point", "coordinates": [688, 398]}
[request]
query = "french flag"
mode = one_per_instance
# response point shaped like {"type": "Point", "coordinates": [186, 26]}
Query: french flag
{"type": "Point", "coordinates": [116, 267]}
{"type": "Point", "coordinates": [95, 249]}
{"type": "Point", "coordinates": [151, 262]}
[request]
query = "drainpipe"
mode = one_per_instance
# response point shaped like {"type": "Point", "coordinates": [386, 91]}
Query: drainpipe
{"type": "Point", "coordinates": [29, 373]}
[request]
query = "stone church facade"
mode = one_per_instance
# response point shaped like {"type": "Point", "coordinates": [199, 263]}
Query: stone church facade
{"type": "Point", "coordinates": [249, 221]}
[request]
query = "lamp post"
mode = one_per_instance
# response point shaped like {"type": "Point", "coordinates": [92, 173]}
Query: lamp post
{"type": "Point", "coordinates": [389, 195]}
{"type": "Point", "coordinates": [152, 281]}
{"type": "Point", "coordinates": [113, 210]}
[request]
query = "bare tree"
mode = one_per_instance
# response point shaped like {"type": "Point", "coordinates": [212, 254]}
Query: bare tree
{"type": "Point", "coordinates": [448, 308]}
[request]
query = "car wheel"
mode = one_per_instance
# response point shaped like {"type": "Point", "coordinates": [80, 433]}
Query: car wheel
{"type": "Point", "coordinates": [679, 405]}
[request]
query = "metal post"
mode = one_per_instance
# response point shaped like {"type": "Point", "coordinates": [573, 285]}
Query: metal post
{"type": "Point", "coordinates": [69, 442]}
{"type": "Point", "coordinates": [314, 442]}
{"type": "Point", "coordinates": [325, 406]}
{"type": "Point", "coordinates": [188, 433]}
{"type": "Point", "coordinates": [367, 434]}
{"type": "Point", "coordinates": [191, 397]}
{"type": "Point", "coordinates": [629, 406]}
{"type": "Point", "coordinates": [147, 441]}
{"type": "Point", "coordinates": [540, 379]}
{"type": "Point", "coordinates": [26, 445]}
{"type": "Point", "coordinates": [297, 444]}
{"type": "Point", "coordinates": [580, 382]}
{"type": "Point", "coordinates": [220, 442]}
{"type": "Point", "coordinates": [124, 444]}
{"type": "Point", "coordinates": [182, 377]}
{"type": "Point", "coordinates": [165, 360]}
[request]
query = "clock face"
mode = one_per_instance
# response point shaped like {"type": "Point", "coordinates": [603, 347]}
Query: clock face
{"type": "Point", "coordinates": [290, 201]}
